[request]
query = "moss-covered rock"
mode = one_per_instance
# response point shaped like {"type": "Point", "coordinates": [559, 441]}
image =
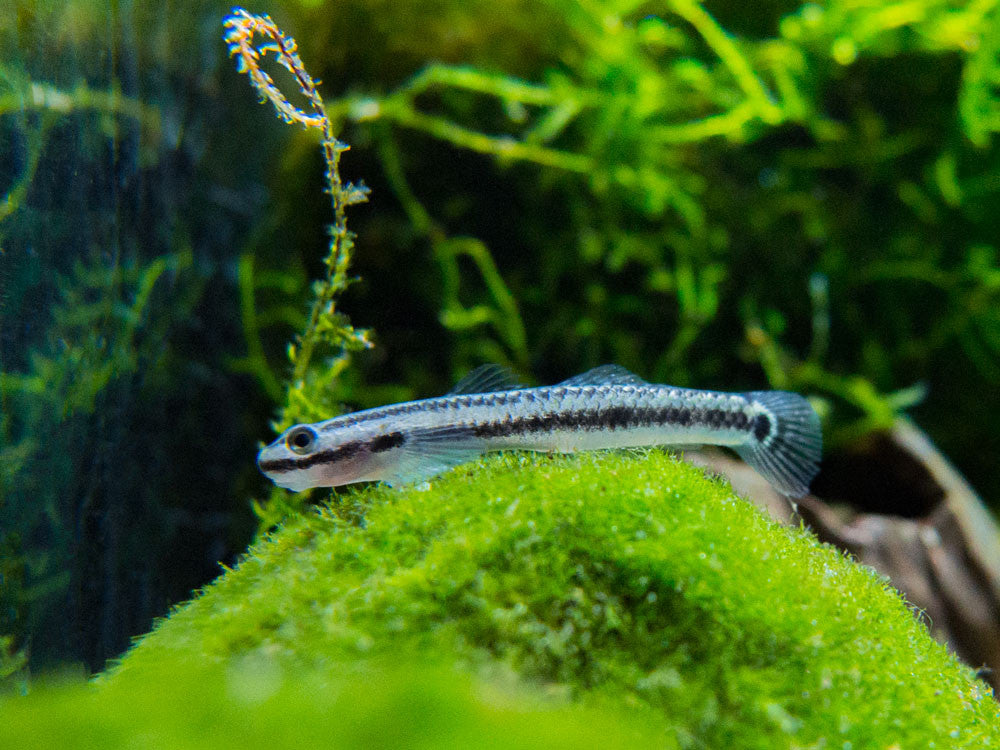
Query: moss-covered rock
{"type": "Point", "coordinates": [615, 584]}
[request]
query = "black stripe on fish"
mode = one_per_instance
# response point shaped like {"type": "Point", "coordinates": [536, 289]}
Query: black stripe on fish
{"type": "Point", "coordinates": [611, 418]}
{"type": "Point", "coordinates": [761, 427]}
{"type": "Point", "coordinates": [386, 442]}
{"type": "Point", "coordinates": [333, 455]}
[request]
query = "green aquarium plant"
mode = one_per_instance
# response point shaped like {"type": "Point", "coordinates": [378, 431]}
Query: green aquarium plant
{"type": "Point", "coordinates": [707, 196]}
{"type": "Point", "coordinates": [105, 340]}
{"type": "Point", "coordinates": [683, 199]}
{"type": "Point", "coordinates": [321, 353]}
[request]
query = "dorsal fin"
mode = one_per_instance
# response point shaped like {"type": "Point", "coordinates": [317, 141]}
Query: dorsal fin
{"type": "Point", "coordinates": [605, 375]}
{"type": "Point", "coordinates": [486, 379]}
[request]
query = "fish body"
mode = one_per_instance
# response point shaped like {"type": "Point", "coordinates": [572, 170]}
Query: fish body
{"type": "Point", "coordinates": [776, 432]}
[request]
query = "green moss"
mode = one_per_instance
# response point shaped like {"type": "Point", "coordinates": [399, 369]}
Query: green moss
{"type": "Point", "coordinates": [254, 704]}
{"type": "Point", "coordinates": [620, 582]}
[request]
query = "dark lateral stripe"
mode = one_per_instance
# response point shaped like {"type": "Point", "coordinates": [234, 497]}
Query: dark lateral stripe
{"type": "Point", "coordinates": [347, 450]}
{"type": "Point", "coordinates": [613, 418]}
{"type": "Point", "coordinates": [280, 465]}
{"type": "Point", "coordinates": [386, 442]}
{"type": "Point", "coordinates": [607, 418]}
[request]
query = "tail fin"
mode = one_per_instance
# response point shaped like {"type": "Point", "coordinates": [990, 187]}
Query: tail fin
{"type": "Point", "coordinates": [787, 442]}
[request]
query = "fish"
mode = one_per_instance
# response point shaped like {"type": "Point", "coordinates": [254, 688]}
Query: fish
{"type": "Point", "coordinates": [775, 432]}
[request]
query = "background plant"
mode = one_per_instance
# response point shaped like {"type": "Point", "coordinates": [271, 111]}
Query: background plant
{"type": "Point", "coordinates": [712, 198]}
{"type": "Point", "coordinates": [321, 353]}
{"type": "Point", "coordinates": [707, 206]}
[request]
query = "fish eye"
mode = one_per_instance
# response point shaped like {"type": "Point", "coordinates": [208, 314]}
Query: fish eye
{"type": "Point", "coordinates": [300, 439]}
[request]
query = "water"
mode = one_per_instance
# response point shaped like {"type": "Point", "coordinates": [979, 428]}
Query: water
{"type": "Point", "coordinates": [125, 426]}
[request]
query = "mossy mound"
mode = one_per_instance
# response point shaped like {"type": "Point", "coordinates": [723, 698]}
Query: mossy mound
{"type": "Point", "coordinates": [626, 583]}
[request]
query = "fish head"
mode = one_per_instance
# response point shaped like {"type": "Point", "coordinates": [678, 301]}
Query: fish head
{"type": "Point", "coordinates": [321, 455]}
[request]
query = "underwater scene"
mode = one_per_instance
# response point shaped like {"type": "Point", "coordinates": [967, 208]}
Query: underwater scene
{"type": "Point", "coordinates": [549, 373]}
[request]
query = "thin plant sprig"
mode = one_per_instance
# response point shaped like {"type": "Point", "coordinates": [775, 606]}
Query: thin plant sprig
{"type": "Point", "coordinates": [325, 326]}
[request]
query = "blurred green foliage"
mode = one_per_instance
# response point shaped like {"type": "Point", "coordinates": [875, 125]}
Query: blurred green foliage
{"type": "Point", "coordinates": [114, 240]}
{"type": "Point", "coordinates": [255, 704]}
{"type": "Point", "coordinates": [13, 663]}
{"type": "Point", "coordinates": [106, 336]}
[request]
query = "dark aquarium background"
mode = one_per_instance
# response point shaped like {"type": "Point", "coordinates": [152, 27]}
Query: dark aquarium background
{"type": "Point", "coordinates": [720, 195]}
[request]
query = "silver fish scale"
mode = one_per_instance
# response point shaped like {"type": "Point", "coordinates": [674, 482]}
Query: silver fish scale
{"type": "Point", "coordinates": [469, 409]}
{"type": "Point", "coordinates": [566, 417]}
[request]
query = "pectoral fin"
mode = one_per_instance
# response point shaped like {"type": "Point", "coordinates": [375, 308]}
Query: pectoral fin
{"type": "Point", "coordinates": [430, 452]}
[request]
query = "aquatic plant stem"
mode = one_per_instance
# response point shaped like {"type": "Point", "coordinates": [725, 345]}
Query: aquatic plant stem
{"type": "Point", "coordinates": [322, 326]}
{"type": "Point", "coordinates": [716, 37]}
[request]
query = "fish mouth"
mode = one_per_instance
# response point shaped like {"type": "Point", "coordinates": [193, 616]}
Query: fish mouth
{"type": "Point", "coordinates": [295, 473]}
{"type": "Point", "coordinates": [272, 465]}
{"type": "Point", "coordinates": [282, 471]}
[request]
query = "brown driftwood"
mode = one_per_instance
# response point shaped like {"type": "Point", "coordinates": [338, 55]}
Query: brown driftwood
{"type": "Point", "coordinates": [895, 503]}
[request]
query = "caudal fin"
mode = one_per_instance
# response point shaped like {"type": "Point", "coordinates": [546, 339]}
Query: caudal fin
{"type": "Point", "coordinates": [787, 442]}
